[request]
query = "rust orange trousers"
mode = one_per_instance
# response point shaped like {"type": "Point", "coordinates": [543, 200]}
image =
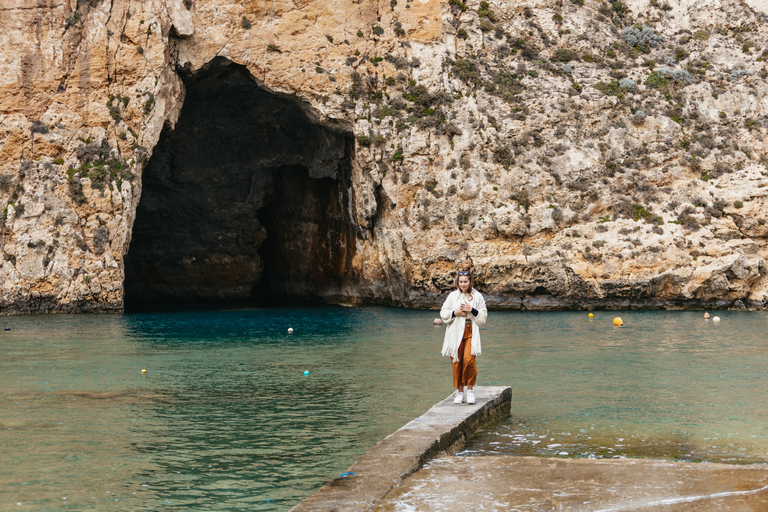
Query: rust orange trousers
{"type": "Point", "coordinates": [465, 369]}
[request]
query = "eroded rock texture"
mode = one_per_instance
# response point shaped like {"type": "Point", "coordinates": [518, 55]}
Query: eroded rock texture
{"type": "Point", "coordinates": [242, 166]}
{"type": "Point", "coordinates": [576, 153]}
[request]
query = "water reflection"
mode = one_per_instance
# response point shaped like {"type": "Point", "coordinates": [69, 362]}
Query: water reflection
{"type": "Point", "coordinates": [225, 418]}
{"type": "Point", "coordinates": [668, 384]}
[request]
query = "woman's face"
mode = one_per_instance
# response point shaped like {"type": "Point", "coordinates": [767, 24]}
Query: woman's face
{"type": "Point", "coordinates": [464, 283]}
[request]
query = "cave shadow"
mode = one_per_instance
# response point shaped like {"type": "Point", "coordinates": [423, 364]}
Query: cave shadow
{"type": "Point", "coordinates": [242, 202]}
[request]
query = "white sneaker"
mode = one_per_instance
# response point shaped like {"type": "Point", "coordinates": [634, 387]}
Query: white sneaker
{"type": "Point", "coordinates": [459, 398]}
{"type": "Point", "coordinates": [470, 396]}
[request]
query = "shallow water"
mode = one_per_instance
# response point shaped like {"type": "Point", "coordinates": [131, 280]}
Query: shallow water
{"type": "Point", "coordinates": [225, 419]}
{"type": "Point", "coordinates": [666, 385]}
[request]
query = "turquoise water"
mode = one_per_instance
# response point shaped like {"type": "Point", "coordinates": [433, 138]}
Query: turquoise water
{"type": "Point", "coordinates": [666, 385]}
{"type": "Point", "coordinates": [225, 419]}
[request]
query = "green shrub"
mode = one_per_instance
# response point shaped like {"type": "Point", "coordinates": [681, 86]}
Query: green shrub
{"type": "Point", "coordinates": [485, 12]}
{"type": "Point", "coordinates": [656, 81]}
{"type": "Point", "coordinates": [636, 212]}
{"type": "Point", "coordinates": [738, 204]}
{"type": "Point", "coordinates": [701, 35]}
{"type": "Point", "coordinates": [610, 89]}
{"type": "Point", "coordinates": [382, 112]}
{"type": "Point", "coordinates": [688, 221]}
{"type": "Point", "coordinates": [149, 104]}
{"type": "Point", "coordinates": [503, 156]}
{"type": "Point", "coordinates": [619, 8]}
{"type": "Point", "coordinates": [563, 55]}
{"type": "Point", "coordinates": [466, 70]}
{"type": "Point", "coordinates": [245, 23]}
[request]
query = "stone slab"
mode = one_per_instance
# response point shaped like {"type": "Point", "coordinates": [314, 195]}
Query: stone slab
{"type": "Point", "coordinates": [443, 429]}
{"type": "Point", "coordinates": [528, 484]}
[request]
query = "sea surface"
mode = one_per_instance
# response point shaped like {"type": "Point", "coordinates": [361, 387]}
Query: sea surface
{"type": "Point", "coordinates": [226, 418]}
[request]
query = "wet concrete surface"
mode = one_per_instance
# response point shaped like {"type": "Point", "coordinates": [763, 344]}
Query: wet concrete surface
{"type": "Point", "coordinates": [414, 470]}
{"type": "Point", "coordinates": [445, 428]}
{"type": "Point", "coordinates": [533, 484]}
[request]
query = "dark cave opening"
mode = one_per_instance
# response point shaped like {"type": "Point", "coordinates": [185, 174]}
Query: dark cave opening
{"type": "Point", "coordinates": [242, 202]}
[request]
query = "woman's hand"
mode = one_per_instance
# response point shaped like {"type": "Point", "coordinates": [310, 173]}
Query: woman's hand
{"type": "Point", "coordinates": [461, 311]}
{"type": "Point", "coordinates": [465, 308]}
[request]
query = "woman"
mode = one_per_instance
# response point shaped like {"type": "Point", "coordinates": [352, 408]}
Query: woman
{"type": "Point", "coordinates": [464, 313]}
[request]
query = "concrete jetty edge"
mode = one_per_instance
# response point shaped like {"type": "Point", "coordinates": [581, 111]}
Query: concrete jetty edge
{"type": "Point", "coordinates": [445, 428]}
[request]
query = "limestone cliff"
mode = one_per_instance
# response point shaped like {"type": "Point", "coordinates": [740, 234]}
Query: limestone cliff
{"type": "Point", "coordinates": [576, 153]}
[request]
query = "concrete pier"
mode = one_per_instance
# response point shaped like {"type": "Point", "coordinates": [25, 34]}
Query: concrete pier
{"type": "Point", "coordinates": [414, 469]}
{"type": "Point", "coordinates": [441, 430]}
{"type": "Point", "coordinates": [534, 484]}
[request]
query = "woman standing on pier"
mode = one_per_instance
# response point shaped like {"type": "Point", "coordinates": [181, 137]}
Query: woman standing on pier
{"type": "Point", "coordinates": [464, 313]}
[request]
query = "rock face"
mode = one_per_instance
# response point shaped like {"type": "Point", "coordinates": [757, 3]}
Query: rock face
{"type": "Point", "coordinates": [577, 154]}
{"type": "Point", "coordinates": [241, 168]}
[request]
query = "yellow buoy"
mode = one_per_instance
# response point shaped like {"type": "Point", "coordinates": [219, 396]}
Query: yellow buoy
{"type": "Point", "coordinates": [143, 371]}
{"type": "Point", "coordinates": [591, 315]}
{"type": "Point", "coordinates": [618, 321]}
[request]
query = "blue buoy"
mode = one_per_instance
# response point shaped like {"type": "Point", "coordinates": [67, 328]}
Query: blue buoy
{"type": "Point", "coordinates": [306, 372]}
{"type": "Point", "coordinates": [7, 328]}
{"type": "Point", "coordinates": [346, 474]}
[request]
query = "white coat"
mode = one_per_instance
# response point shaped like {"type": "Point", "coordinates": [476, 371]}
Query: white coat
{"type": "Point", "coordinates": [455, 325]}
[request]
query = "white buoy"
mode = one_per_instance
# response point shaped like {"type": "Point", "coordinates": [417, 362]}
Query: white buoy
{"type": "Point", "coordinates": [438, 321]}
{"type": "Point", "coordinates": [706, 315]}
{"type": "Point", "coordinates": [716, 319]}
{"type": "Point", "coordinates": [290, 329]}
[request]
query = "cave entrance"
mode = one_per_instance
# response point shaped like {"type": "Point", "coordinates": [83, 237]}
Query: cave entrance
{"type": "Point", "coordinates": [242, 202]}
